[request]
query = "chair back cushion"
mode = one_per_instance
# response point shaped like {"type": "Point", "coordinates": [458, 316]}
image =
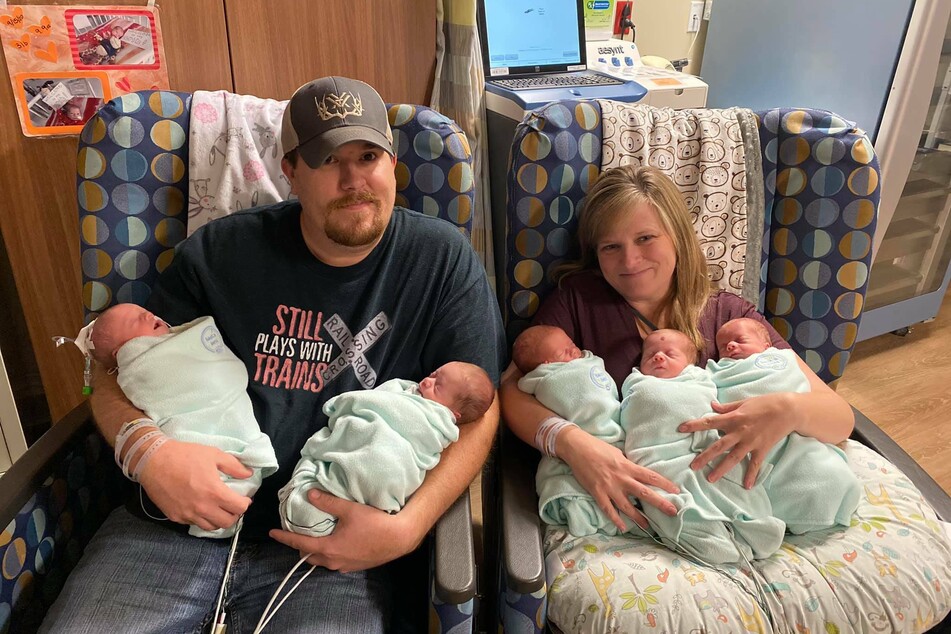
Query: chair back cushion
{"type": "Point", "coordinates": [815, 262]}
{"type": "Point", "coordinates": [822, 193]}
{"type": "Point", "coordinates": [135, 193]}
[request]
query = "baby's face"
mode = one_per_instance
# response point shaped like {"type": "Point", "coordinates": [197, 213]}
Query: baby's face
{"type": "Point", "coordinates": [446, 386]}
{"type": "Point", "coordinates": [74, 113]}
{"type": "Point", "coordinates": [665, 355]}
{"type": "Point", "coordinates": [128, 321]}
{"type": "Point", "coordinates": [558, 347]}
{"type": "Point", "coordinates": [740, 339]}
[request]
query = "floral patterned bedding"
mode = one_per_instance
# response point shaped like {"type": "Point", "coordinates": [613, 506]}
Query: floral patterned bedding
{"type": "Point", "coordinates": [890, 571]}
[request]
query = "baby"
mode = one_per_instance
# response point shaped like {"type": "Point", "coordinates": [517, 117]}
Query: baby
{"type": "Point", "coordinates": [810, 486]}
{"type": "Point", "coordinates": [378, 444]}
{"type": "Point", "coordinates": [108, 48]}
{"type": "Point", "coordinates": [720, 522]}
{"type": "Point", "coordinates": [73, 112]}
{"type": "Point", "coordinates": [186, 380]}
{"type": "Point", "coordinates": [574, 385]}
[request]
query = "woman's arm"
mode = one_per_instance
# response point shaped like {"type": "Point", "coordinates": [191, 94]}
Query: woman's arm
{"type": "Point", "coordinates": [754, 425]}
{"type": "Point", "coordinates": [603, 470]}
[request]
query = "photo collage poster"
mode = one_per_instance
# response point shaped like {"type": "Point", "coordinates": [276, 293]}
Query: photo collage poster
{"type": "Point", "coordinates": [65, 62]}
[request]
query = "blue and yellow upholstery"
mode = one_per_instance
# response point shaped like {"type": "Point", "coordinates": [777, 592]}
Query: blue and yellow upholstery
{"type": "Point", "coordinates": [822, 192]}
{"type": "Point", "coordinates": [822, 184]}
{"type": "Point", "coordinates": [133, 200]}
{"type": "Point", "coordinates": [133, 186]}
{"type": "Point", "coordinates": [47, 536]}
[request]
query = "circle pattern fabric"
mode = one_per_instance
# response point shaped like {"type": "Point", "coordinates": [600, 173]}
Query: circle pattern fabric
{"type": "Point", "coordinates": [831, 206]}
{"type": "Point", "coordinates": [132, 182]}
{"type": "Point", "coordinates": [47, 536]}
{"type": "Point", "coordinates": [434, 165]}
{"type": "Point", "coordinates": [822, 192]}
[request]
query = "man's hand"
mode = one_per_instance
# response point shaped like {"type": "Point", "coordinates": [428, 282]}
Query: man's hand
{"type": "Point", "coordinates": [364, 537]}
{"type": "Point", "coordinates": [182, 480]}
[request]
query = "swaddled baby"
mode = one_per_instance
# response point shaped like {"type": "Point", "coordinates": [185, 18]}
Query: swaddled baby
{"type": "Point", "coordinates": [378, 444]}
{"type": "Point", "coordinates": [190, 384]}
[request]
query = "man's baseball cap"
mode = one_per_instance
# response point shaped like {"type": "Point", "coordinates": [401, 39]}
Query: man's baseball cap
{"type": "Point", "coordinates": [328, 112]}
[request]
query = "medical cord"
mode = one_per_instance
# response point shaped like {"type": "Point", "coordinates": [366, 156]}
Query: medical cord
{"type": "Point", "coordinates": [265, 617]}
{"type": "Point", "coordinates": [219, 619]}
{"type": "Point", "coordinates": [758, 597]}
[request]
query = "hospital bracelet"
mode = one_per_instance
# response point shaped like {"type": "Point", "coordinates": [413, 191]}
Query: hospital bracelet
{"type": "Point", "coordinates": [126, 432]}
{"type": "Point", "coordinates": [147, 456]}
{"type": "Point", "coordinates": [139, 443]}
{"type": "Point", "coordinates": [547, 434]}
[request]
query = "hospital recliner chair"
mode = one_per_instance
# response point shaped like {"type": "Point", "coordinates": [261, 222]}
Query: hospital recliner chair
{"type": "Point", "coordinates": [134, 198]}
{"type": "Point", "coordinates": [820, 184]}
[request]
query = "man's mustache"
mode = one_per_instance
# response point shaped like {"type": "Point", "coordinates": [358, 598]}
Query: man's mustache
{"type": "Point", "coordinates": [353, 199]}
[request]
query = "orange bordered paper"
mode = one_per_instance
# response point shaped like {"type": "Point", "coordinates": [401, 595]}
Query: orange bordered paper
{"type": "Point", "coordinates": [65, 62]}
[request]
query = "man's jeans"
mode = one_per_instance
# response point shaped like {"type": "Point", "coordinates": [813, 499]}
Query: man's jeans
{"type": "Point", "coordinates": [136, 577]}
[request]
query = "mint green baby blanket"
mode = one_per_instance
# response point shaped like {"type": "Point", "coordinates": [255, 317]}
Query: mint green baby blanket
{"type": "Point", "coordinates": [376, 449]}
{"type": "Point", "coordinates": [192, 385]}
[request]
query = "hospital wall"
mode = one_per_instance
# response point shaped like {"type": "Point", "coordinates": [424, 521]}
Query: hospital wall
{"type": "Point", "coordinates": [261, 47]}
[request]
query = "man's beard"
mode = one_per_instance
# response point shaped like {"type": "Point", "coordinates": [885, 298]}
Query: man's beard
{"type": "Point", "coordinates": [352, 229]}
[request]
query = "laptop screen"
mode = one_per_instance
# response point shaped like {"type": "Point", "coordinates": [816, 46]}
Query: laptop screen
{"type": "Point", "coordinates": [527, 37]}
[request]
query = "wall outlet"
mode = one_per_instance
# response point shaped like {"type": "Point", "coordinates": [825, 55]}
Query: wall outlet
{"type": "Point", "coordinates": [696, 15]}
{"type": "Point", "coordinates": [707, 8]}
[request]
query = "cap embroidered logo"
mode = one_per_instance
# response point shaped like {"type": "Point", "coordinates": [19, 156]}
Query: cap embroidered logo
{"type": "Point", "coordinates": [333, 105]}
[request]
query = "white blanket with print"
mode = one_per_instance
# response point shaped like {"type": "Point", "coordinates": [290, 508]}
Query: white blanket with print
{"type": "Point", "coordinates": [234, 155]}
{"type": "Point", "coordinates": [713, 155]}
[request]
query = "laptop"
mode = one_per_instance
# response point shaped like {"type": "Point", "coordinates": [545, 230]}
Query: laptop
{"type": "Point", "coordinates": [536, 44]}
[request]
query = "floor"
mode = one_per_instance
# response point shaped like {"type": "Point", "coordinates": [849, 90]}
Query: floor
{"type": "Point", "coordinates": [903, 384]}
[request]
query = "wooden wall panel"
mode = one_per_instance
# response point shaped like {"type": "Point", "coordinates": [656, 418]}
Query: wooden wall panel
{"type": "Point", "coordinates": [278, 45]}
{"type": "Point", "coordinates": [38, 209]}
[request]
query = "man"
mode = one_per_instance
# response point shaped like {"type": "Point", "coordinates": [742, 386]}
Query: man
{"type": "Point", "coordinates": [336, 291]}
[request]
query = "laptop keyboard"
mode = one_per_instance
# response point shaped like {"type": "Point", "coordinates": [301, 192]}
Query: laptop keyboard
{"type": "Point", "coordinates": [558, 81]}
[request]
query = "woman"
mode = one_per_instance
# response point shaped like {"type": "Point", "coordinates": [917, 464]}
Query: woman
{"type": "Point", "coordinates": [641, 268]}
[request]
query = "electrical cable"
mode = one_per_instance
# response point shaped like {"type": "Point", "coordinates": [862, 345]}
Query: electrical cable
{"type": "Point", "coordinates": [265, 617]}
{"type": "Point", "coordinates": [219, 619]}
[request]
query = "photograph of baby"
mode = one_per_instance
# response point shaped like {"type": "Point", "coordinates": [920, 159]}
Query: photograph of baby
{"type": "Point", "coordinates": [105, 39]}
{"type": "Point", "coordinates": [62, 101]}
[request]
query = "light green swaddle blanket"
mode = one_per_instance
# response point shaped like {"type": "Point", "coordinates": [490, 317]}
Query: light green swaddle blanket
{"type": "Point", "coordinates": [810, 486]}
{"type": "Point", "coordinates": [584, 393]}
{"type": "Point", "coordinates": [376, 449]}
{"type": "Point", "coordinates": [718, 523]}
{"type": "Point", "coordinates": [195, 389]}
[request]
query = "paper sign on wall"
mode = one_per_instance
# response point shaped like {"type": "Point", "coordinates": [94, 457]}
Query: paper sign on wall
{"type": "Point", "coordinates": [65, 62]}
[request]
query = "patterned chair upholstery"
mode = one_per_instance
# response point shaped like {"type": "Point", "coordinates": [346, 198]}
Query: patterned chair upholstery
{"type": "Point", "coordinates": [133, 200]}
{"type": "Point", "coordinates": [72, 484]}
{"type": "Point", "coordinates": [821, 179]}
{"type": "Point", "coordinates": [821, 183]}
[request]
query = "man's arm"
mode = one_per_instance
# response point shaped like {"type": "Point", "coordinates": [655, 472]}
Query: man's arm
{"type": "Point", "coordinates": [181, 478]}
{"type": "Point", "coordinates": [365, 537]}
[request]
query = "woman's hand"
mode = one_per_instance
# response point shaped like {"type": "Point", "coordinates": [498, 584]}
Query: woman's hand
{"type": "Point", "coordinates": [751, 426]}
{"type": "Point", "coordinates": [611, 478]}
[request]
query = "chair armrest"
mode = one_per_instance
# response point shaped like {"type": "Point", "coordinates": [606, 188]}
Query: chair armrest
{"type": "Point", "coordinates": [32, 468]}
{"type": "Point", "coordinates": [869, 434]}
{"type": "Point", "coordinates": [455, 571]}
{"type": "Point", "coordinates": [522, 551]}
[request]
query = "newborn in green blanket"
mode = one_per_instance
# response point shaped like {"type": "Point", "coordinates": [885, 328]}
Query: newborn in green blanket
{"type": "Point", "coordinates": [186, 380]}
{"type": "Point", "coordinates": [378, 444]}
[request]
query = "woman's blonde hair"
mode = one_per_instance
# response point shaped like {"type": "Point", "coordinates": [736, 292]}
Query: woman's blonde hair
{"type": "Point", "coordinates": [616, 192]}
